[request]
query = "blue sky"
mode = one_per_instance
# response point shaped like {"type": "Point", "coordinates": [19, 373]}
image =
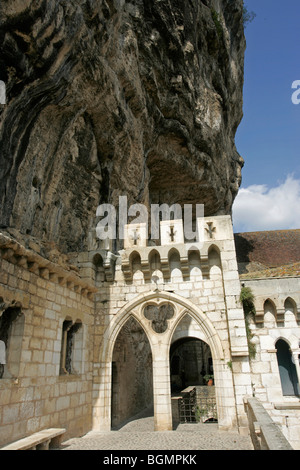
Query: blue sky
{"type": "Point", "coordinates": [268, 137]}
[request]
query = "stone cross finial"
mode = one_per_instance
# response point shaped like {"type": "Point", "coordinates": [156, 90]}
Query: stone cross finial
{"type": "Point", "coordinates": [172, 233]}
{"type": "Point", "coordinates": [210, 230]}
{"type": "Point", "coordinates": [135, 237]}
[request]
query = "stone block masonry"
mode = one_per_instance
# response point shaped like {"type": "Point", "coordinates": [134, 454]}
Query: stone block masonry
{"type": "Point", "coordinates": [35, 392]}
{"type": "Point", "coordinates": [73, 357]}
{"type": "Point", "coordinates": [202, 289]}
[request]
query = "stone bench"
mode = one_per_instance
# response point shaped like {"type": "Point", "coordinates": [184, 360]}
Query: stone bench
{"type": "Point", "coordinates": [42, 440]}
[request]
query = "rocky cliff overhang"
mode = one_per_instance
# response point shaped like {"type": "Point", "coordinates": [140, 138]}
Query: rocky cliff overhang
{"type": "Point", "coordinates": [110, 97]}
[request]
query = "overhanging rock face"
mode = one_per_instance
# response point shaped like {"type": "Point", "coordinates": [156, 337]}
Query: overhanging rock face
{"type": "Point", "coordinates": [112, 97]}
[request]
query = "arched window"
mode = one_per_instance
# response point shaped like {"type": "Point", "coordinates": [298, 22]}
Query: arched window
{"type": "Point", "coordinates": [71, 347]}
{"type": "Point", "coordinates": [194, 262]}
{"type": "Point", "coordinates": [135, 262]}
{"type": "Point", "coordinates": [154, 261]}
{"type": "Point", "coordinates": [99, 268]}
{"type": "Point", "coordinates": [194, 258]}
{"type": "Point", "coordinates": [270, 314]}
{"type": "Point", "coordinates": [214, 261]}
{"type": "Point", "coordinates": [174, 262]}
{"type": "Point", "coordinates": [287, 369]}
{"type": "Point", "coordinates": [290, 309]}
{"type": "Point", "coordinates": [11, 336]}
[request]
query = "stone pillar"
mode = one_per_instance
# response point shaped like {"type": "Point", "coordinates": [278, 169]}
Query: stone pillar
{"type": "Point", "coordinates": [295, 353]}
{"type": "Point", "coordinates": [235, 320]}
{"type": "Point", "coordinates": [162, 389]}
{"type": "Point", "coordinates": [102, 399]}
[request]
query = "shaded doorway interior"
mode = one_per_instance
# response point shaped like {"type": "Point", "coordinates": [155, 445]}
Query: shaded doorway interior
{"type": "Point", "coordinates": [132, 379]}
{"type": "Point", "coordinates": [190, 363]}
{"type": "Point", "coordinates": [191, 369]}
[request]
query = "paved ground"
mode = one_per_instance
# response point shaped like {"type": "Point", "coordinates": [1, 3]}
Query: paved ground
{"type": "Point", "coordinates": [139, 435]}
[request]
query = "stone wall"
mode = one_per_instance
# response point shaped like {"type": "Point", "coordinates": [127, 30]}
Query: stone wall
{"type": "Point", "coordinates": [35, 393]}
{"type": "Point", "coordinates": [173, 291]}
{"type": "Point", "coordinates": [264, 433]}
{"type": "Point", "coordinates": [203, 289]}
{"type": "Point", "coordinates": [277, 303]}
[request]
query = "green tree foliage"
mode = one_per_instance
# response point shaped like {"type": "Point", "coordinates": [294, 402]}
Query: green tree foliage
{"type": "Point", "coordinates": [248, 16]}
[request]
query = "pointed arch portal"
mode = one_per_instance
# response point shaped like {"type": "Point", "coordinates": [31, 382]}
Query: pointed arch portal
{"type": "Point", "coordinates": [132, 383]}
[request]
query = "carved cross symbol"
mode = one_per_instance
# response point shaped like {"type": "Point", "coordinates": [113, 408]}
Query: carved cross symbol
{"type": "Point", "coordinates": [210, 230]}
{"type": "Point", "coordinates": [172, 233]}
{"type": "Point", "coordinates": [135, 237]}
{"type": "Point", "coordinates": [159, 315]}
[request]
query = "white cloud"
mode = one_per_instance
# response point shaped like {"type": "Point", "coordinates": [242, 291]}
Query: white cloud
{"type": "Point", "coordinates": [261, 208]}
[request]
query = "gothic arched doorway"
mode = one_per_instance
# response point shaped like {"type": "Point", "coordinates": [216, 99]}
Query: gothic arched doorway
{"type": "Point", "coordinates": [132, 382]}
{"type": "Point", "coordinates": [187, 321]}
{"type": "Point", "coordinates": [287, 369]}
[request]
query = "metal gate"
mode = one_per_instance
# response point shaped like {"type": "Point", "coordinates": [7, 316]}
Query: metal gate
{"type": "Point", "coordinates": [198, 407]}
{"type": "Point", "coordinates": [188, 406]}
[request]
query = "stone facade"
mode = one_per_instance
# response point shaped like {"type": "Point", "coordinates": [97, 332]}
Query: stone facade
{"type": "Point", "coordinates": [89, 346]}
{"type": "Point", "coordinates": [202, 289]}
{"type": "Point", "coordinates": [277, 302]}
{"type": "Point", "coordinates": [35, 392]}
{"type": "Point", "coordinates": [269, 265]}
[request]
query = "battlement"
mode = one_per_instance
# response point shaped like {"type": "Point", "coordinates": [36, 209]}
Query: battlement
{"type": "Point", "coordinates": [213, 234]}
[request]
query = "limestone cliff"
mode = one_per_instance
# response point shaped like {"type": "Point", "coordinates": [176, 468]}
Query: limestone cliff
{"type": "Point", "coordinates": [110, 97]}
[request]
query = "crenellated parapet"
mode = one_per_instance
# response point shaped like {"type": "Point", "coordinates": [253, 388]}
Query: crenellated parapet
{"type": "Point", "coordinates": [213, 234]}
